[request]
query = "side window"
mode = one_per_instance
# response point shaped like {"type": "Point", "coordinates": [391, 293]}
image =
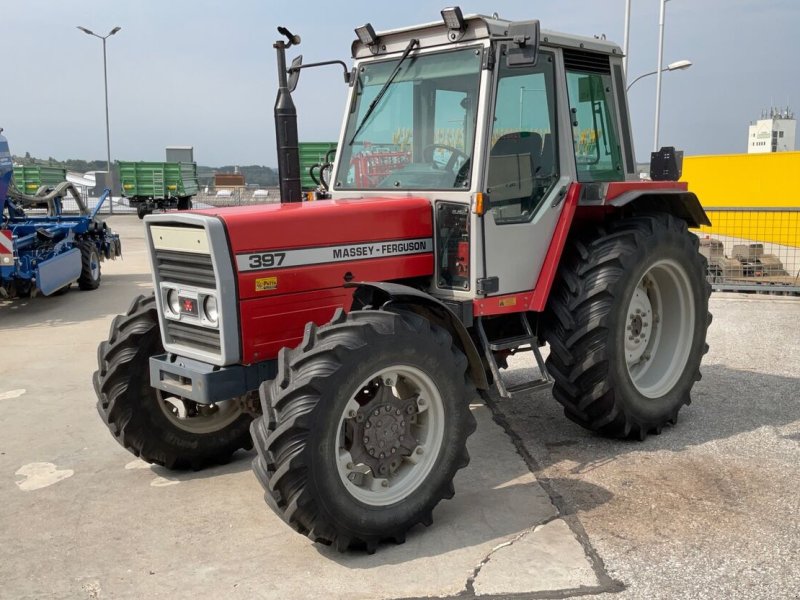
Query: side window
{"type": "Point", "coordinates": [523, 163]}
{"type": "Point", "coordinates": [594, 130]}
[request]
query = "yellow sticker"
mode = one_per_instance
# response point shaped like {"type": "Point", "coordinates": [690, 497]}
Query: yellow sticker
{"type": "Point", "coordinates": [266, 283]}
{"type": "Point", "coordinates": [508, 302]}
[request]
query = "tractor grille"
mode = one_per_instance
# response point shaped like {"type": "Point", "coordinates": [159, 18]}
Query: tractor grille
{"type": "Point", "coordinates": [186, 268]}
{"type": "Point", "coordinates": [193, 336]}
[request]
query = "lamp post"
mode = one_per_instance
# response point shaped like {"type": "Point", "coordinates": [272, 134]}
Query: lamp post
{"type": "Point", "coordinates": [678, 65]}
{"type": "Point", "coordinates": [626, 37]}
{"type": "Point", "coordinates": [659, 70]}
{"type": "Point", "coordinates": [105, 82]}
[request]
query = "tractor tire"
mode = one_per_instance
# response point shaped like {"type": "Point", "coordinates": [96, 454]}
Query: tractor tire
{"type": "Point", "coordinates": [90, 266]}
{"type": "Point", "coordinates": [184, 204]}
{"type": "Point", "coordinates": [626, 323]}
{"type": "Point", "coordinates": [321, 441]}
{"type": "Point", "coordinates": [147, 423]}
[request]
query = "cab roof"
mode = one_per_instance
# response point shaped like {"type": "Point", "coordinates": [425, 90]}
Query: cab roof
{"type": "Point", "coordinates": [478, 27]}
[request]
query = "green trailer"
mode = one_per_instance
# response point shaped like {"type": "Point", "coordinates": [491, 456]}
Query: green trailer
{"type": "Point", "coordinates": [314, 155]}
{"type": "Point", "coordinates": [158, 185]}
{"type": "Point", "coordinates": [28, 179]}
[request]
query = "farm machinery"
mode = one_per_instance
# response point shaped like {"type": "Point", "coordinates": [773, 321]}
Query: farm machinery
{"type": "Point", "coordinates": [43, 250]}
{"type": "Point", "coordinates": [346, 337]}
{"type": "Point", "coordinates": [151, 186]}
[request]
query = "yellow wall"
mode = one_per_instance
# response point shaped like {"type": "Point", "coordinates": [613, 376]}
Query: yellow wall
{"type": "Point", "coordinates": [745, 179]}
{"type": "Point", "coordinates": [748, 180]}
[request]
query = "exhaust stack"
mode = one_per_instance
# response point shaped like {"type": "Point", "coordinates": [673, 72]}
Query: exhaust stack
{"type": "Point", "coordinates": [286, 126]}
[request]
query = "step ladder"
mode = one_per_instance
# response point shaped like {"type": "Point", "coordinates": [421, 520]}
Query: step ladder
{"type": "Point", "coordinates": [158, 184]}
{"type": "Point", "coordinates": [518, 344]}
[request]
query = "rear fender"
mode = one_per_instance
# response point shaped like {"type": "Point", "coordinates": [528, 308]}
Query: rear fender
{"type": "Point", "coordinates": [385, 295]}
{"type": "Point", "coordinates": [679, 203]}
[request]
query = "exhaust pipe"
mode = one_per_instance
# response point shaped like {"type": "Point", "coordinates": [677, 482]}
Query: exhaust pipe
{"type": "Point", "coordinates": [286, 126]}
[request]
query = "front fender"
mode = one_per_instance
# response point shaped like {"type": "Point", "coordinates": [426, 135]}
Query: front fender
{"type": "Point", "coordinates": [383, 295]}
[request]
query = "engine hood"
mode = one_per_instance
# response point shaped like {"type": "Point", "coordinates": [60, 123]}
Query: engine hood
{"type": "Point", "coordinates": [299, 247]}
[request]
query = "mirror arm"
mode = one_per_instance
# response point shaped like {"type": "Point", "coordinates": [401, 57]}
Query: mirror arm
{"type": "Point", "coordinates": [323, 64]}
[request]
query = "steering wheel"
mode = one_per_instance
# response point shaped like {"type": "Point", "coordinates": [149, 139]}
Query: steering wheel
{"type": "Point", "coordinates": [427, 155]}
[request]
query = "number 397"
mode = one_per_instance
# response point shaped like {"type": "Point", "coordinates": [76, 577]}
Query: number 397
{"type": "Point", "coordinates": [269, 259]}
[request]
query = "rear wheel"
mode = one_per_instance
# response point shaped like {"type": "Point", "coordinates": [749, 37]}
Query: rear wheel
{"type": "Point", "coordinates": [627, 324]}
{"type": "Point", "coordinates": [142, 210]}
{"type": "Point", "coordinates": [90, 266]}
{"type": "Point", "coordinates": [365, 428]}
{"type": "Point", "coordinates": [160, 428]}
{"type": "Point", "coordinates": [184, 203]}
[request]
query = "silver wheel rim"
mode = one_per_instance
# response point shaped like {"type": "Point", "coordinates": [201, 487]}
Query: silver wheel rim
{"type": "Point", "coordinates": [400, 386]}
{"type": "Point", "coordinates": [193, 417]}
{"type": "Point", "coordinates": [94, 265]}
{"type": "Point", "coordinates": [659, 328]}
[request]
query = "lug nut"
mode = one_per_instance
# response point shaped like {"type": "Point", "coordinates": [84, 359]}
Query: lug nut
{"type": "Point", "coordinates": [420, 450]}
{"type": "Point", "coordinates": [366, 440]}
{"type": "Point", "coordinates": [384, 483]}
{"type": "Point", "coordinates": [349, 466]}
{"type": "Point", "coordinates": [351, 414]}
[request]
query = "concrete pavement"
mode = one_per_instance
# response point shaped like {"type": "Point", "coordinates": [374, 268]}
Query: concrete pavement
{"type": "Point", "coordinates": [709, 509]}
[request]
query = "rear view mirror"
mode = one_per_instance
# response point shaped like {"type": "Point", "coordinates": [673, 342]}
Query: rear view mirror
{"type": "Point", "coordinates": [294, 73]}
{"type": "Point", "coordinates": [524, 48]}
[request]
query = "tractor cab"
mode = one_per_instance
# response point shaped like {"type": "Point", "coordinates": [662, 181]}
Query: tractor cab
{"type": "Point", "coordinates": [492, 121]}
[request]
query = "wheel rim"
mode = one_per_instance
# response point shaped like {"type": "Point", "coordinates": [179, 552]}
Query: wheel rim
{"type": "Point", "coordinates": [659, 327]}
{"type": "Point", "coordinates": [94, 266]}
{"type": "Point", "coordinates": [193, 417]}
{"type": "Point", "coordinates": [390, 435]}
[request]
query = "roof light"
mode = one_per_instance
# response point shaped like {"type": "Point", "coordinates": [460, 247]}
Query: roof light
{"type": "Point", "coordinates": [453, 18]}
{"type": "Point", "coordinates": [366, 33]}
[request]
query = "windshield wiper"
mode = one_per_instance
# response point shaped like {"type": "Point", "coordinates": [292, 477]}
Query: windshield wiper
{"type": "Point", "coordinates": [382, 91]}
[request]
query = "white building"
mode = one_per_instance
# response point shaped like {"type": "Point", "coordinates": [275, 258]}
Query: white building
{"type": "Point", "coordinates": [773, 132]}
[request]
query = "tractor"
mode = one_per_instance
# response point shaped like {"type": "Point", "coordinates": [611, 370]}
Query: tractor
{"type": "Point", "coordinates": [484, 200]}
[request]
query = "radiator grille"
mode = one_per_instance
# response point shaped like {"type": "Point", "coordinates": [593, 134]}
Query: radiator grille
{"type": "Point", "coordinates": [193, 336]}
{"type": "Point", "coordinates": [185, 268]}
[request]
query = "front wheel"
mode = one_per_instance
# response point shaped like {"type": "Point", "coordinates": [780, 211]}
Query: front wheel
{"type": "Point", "coordinates": [160, 428]}
{"type": "Point", "coordinates": [365, 427]}
{"type": "Point", "coordinates": [627, 323]}
{"type": "Point", "coordinates": [90, 266]}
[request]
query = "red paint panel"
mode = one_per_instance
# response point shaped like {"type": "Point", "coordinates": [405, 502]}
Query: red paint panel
{"type": "Point", "coordinates": [315, 277]}
{"type": "Point", "coordinates": [617, 188]}
{"type": "Point", "coordinates": [536, 299]}
{"type": "Point", "coordinates": [325, 222]}
{"type": "Point", "coordinates": [269, 324]}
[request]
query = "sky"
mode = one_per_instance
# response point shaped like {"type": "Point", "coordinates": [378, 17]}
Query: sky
{"type": "Point", "coordinates": [202, 72]}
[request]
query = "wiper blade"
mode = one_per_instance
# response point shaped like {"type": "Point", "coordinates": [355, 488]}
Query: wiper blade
{"type": "Point", "coordinates": [382, 91]}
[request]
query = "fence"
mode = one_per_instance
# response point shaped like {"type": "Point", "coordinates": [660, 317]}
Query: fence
{"type": "Point", "coordinates": [753, 249]}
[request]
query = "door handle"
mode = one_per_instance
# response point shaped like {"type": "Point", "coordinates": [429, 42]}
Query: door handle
{"type": "Point", "coordinates": [559, 197]}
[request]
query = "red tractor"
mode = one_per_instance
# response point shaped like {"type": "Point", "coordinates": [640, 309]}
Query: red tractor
{"type": "Point", "coordinates": [368, 321]}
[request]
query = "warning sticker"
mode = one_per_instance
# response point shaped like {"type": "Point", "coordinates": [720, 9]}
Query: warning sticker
{"type": "Point", "coordinates": [266, 283]}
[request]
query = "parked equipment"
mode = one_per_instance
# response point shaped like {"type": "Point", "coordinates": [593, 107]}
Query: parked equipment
{"type": "Point", "coordinates": [366, 323]}
{"type": "Point", "coordinates": [153, 186]}
{"type": "Point", "coordinates": [46, 253]}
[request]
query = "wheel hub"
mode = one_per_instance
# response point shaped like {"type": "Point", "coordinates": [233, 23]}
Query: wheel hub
{"type": "Point", "coordinates": [382, 435]}
{"type": "Point", "coordinates": [640, 327]}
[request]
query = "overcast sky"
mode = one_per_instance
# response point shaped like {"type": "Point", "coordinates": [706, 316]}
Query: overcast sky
{"type": "Point", "coordinates": [202, 72]}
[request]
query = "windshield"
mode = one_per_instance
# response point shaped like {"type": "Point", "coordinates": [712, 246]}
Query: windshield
{"type": "Point", "coordinates": [421, 133]}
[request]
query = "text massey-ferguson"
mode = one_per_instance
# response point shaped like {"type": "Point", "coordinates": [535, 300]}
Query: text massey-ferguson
{"type": "Point", "coordinates": [484, 200]}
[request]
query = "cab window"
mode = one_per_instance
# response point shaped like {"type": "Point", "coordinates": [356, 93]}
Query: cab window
{"type": "Point", "coordinates": [523, 165]}
{"type": "Point", "coordinates": [594, 131]}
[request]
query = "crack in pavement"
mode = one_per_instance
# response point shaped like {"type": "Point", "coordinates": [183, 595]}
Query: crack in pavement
{"type": "Point", "coordinates": [470, 585]}
{"type": "Point", "coordinates": [565, 512]}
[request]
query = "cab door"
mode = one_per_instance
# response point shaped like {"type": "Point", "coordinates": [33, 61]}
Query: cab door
{"type": "Point", "coordinates": [524, 182]}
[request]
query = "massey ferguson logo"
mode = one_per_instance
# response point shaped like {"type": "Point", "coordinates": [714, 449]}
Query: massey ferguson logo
{"type": "Point", "coordinates": [260, 261]}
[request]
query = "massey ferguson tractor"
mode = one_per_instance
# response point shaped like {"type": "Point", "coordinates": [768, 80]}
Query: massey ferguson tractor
{"type": "Point", "coordinates": [345, 335]}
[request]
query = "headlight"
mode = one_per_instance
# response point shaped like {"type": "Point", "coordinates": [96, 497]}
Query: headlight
{"type": "Point", "coordinates": [210, 309]}
{"type": "Point", "coordinates": [172, 302]}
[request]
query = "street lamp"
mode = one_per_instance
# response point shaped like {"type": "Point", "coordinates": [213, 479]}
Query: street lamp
{"type": "Point", "coordinates": [105, 81]}
{"type": "Point", "coordinates": [659, 70]}
{"type": "Point", "coordinates": [678, 65]}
